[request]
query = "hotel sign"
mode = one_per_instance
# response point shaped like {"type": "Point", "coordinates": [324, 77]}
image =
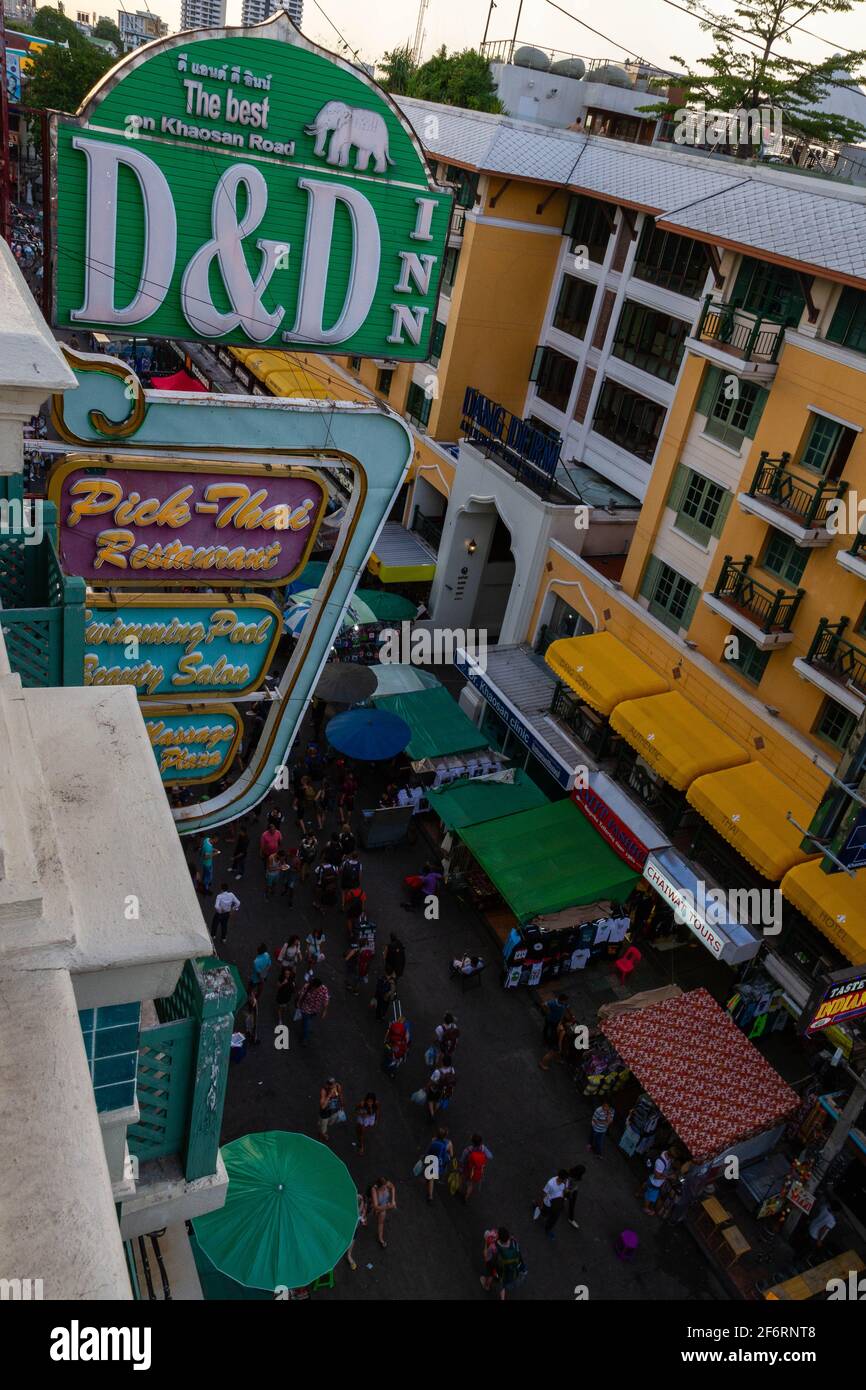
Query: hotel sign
{"type": "Point", "coordinates": [144, 522]}
{"type": "Point", "coordinates": [517, 441]}
{"type": "Point", "coordinates": [245, 186]}
{"type": "Point", "coordinates": [189, 645]}
{"type": "Point", "coordinates": [193, 746]}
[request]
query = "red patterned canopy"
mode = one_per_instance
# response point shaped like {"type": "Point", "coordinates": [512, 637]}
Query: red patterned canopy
{"type": "Point", "coordinates": [707, 1079]}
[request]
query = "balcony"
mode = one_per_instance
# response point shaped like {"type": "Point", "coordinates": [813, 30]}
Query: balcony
{"type": "Point", "coordinates": [458, 226]}
{"type": "Point", "coordinates": [836, 666]}
{"type": "Point", "coordinates": [797, 506]}
{"type": "Point", "coordinates": [854, 560]}
{"type": "Point", "coordinates": [42, 611]}
{"type": "Point", "coordinates": [737, 340]}
{"type": "Point", "coordinates": [761, 613]}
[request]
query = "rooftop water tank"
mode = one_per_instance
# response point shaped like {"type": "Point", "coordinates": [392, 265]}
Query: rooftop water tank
{"type": "Point", "coordinates": [611, 75]}
{"type": "Point", "coordinates": [569, 67]}
{"type": "Point", "coordinates": [528, 57]}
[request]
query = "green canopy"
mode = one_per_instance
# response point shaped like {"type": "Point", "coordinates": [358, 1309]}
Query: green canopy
{"type": "Point", "coordinates": [437, 722]}
{"type": "Point", "coordinates": [386, 606]}
{"type": "Point", "coordinates": [289, 1215]}
{"type": "Point", "coordinates": [548, 859]}
{"type": "Point", "coordinates": [473, 800]}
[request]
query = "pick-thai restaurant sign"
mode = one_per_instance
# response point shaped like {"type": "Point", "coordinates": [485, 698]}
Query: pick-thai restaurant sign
{"type": "Point", "coordinates": [189, 645]}
{"type": "Point", "coordinates": [156, 523]}
{"type": "Point", "coordinates": [245, 186]}
{"type": "Point", "coordinates": [196, 746]}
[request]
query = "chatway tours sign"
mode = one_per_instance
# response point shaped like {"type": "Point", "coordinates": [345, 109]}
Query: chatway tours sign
{"type": "Point", "coordinates": [243, 185]}
{"type": "Point", "coordinates": [149, 522]}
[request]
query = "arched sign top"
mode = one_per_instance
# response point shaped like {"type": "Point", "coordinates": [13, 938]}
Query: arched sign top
{"type": "Point", "coordinates": [245, 186]}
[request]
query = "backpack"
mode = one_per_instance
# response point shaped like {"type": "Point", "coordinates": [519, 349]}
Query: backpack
{"type": "Point", "coordinates": [327, 880]}
{"type": "Point", "coordinates": [350, 876]}
{"type": "Point", "coordinates": [449, 1038]}
{"type": "Point", "coordinates": [509, 1263]}
{"type": "Point", "coordinates": [476, 1162]}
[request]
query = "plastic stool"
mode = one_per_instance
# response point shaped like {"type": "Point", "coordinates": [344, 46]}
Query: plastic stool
{"type": "Point", "coordinates": [324, 1281]}
{"type": "Point", "coordinates": [627, 1243]}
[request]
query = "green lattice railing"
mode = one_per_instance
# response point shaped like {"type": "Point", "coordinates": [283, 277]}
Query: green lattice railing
{"type": "Point", "coordinates": [165, 1070]}
{"type": "Point", "coordinates": [42, 609]}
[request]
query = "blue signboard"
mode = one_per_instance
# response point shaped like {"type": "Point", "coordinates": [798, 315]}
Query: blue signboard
{"type": "Point", "coordinates": [193, 745]}
{"type": "Point", "coordinates": [485, 422]}
{"type": "Point", "coordinates": [512, 718]}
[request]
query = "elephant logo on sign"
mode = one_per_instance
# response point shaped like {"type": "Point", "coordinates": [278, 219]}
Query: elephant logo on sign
{"type": "Point", "coordinates": [351, 125]}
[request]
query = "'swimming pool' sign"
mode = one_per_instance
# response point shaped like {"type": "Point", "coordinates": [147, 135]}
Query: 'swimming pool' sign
{"type": "Point", "coordinates": [243, 185]}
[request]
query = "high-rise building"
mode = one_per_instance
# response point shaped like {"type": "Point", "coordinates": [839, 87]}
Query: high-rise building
{"type": "Point", "coordinates": [254, 11]}
{"type": "Point", "coordinates": [138, 27]}
{"type": "Point", "coordinates": [202, 14]}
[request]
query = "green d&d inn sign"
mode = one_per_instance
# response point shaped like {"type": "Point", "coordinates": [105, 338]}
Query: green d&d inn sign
{"type": "Point", "coordinates": [242, 185]}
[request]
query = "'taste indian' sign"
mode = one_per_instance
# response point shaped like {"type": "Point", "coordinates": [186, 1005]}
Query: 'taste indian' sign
{"type": "Point", "coordinates": [244, 185]}
{"type": "Point", "coordinates": [161, 523]}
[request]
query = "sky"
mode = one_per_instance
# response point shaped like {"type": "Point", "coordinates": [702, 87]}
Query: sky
{"type": "Point", "coordinates": [651, 29]}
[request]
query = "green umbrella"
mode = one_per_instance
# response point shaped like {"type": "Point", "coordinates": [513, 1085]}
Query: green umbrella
{"type": "Point", "coordinates": [391, 608]}
{"type": "Point", "coordinates": [289, 1215]}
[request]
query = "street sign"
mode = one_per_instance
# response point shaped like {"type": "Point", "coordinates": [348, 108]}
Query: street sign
{"type": "Point", "coordinates": [153, 522]}
{"type": "Point", "coordinates": [245, 186]}
{"type": "Point", "coordinates": [185, 645]}
{"type": "Point", "coordinates": [839, 997]}
{"type": "Point", "coordinates": [193, 745]}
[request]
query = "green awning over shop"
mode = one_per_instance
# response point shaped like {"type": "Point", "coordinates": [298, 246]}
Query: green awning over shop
{"type": "Point", "coordinates": [547, 860]}
{"type": "Point", "coordinates": [437, 722]}
{"type": "Point", "coordinates": [473, 801]}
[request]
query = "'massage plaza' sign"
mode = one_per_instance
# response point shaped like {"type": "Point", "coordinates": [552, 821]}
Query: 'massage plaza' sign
{"type": "Point", "coordinates": [193, 746]}
{"type": "Point", "coordinates": [242, 185]}
{"type": "Point", "coordinates": [157, 523]}
{"type": "Point", "coordinates": [185, 646]}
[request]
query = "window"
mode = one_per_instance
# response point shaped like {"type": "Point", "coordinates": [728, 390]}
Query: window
{"type": "Point", "coordinates": [650, 340]}
{"type": "Point", "coordinates": [418, 404]}
{"type": "Point", "coordinates": [449, 270]}
{"type": "Point", "coordinates": [629, 420]}
{"type": "Point", "coordinates": [672, 597]}
{"type": "Point", "coordinates": [762, 288]}
{"type": "Point", "coordinates": [671, 261]}
{"type": "Point", "coordinates": [733, 408]}
{"type": "Point", "coordinates": [700, 504]}
{"type": "Point", "coordinates": [355, 363]}
{"type": "Point", "coordinates": [750, 661]}
{"type": "Point", "coordinates": [574, 306]}
{"type": "Point", "coordinates": [589, 223]}
{"type": "Point", "coordinates": [384, 379]}
{"type": "Point", "coordinates": [835, 723]}
{"type": "Point", "coordinates": [437, 338]}
{"type": "Point", "coordinates": [827, 446]}
{"type": "Point", "coordinates": [848, 325]}
{"type": "Point", "coordinates": [467, 184]}
{"type": "Point", "coordinates": [784, 558]}
{"type": "Point", "coordinates": [554, 377]}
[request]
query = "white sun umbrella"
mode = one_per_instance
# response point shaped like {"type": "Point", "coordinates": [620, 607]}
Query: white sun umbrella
{"type": "Point", "coordinates": [395, 678]}
{"type": "Point", "coordinates": [298, 606]}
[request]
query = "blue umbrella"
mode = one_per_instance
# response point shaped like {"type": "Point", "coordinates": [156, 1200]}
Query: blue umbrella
{"type": "Point", "coordinates": [310, 577]}
{"type": "Point", "coordinates": [369, 735]}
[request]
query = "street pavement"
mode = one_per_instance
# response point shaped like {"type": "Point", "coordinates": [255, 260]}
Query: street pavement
{"type": "Point", "coordinates": [534, 1122]}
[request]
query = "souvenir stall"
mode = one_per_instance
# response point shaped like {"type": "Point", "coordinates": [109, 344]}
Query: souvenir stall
{"type": "Point", "coordinates": [474, 801]}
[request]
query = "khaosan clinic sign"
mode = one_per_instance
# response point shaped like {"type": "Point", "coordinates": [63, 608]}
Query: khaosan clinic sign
{"type": "Point", "coordinates": [242, 185]}
{"type": "Point", "coordinates": [150, 522]}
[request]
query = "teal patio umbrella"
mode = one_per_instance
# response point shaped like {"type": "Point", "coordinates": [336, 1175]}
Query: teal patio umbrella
{"type": "Point", "coordinates": [387, 607]}
{"type": "Point", "coordinates": [289, 1216]}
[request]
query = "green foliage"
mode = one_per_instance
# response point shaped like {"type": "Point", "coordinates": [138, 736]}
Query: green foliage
{"type": "Point", "coordinates": [455, 79]}
{"type": "Point", "coordinates": [751, 66]}
{"type": "Point", "coordinates": [107, 29]}
{"type": "Point", "coordinates": [52, 24]}
{"type": "Point", "coordinates": [60, 78]}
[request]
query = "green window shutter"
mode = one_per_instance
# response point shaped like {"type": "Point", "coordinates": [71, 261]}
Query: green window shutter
{"type": "Point", "coordinates": [536, 363]}
{"type": "Point", "coordinates": [692, 604]}
{"type": "Point", "coordinates": [679, 486]}
{"type": "Point", "coordinates": [722, 514]}
{"type": "Point", "coordinates": [743, 282]}
{"type": "Point", "coordinates": [650, 577]}
{"type": "Point", "coordinates": [756, 413]}
{"type": "Point", "coordinates": [709, 390]}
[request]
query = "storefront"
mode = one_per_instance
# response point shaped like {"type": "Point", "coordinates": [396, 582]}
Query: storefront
{"type": "Point", "coordinates": [595, 674]}
{"type": "Point", "coordinates": [702, 907]}
{"type": "Point", "coordinates": [748, 810]}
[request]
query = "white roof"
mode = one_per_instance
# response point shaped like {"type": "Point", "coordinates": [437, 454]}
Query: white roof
{"type": "Point", "coordinates": [815, 223]}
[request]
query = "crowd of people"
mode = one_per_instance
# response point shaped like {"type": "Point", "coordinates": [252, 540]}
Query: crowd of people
{"type": "Point", "coordinates": [27, 246]}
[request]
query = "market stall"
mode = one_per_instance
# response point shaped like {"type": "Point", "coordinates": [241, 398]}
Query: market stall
{"type": "Point", "coordinates": [475, 801]}
{"type": "Point", "coordinates": [437, 723]}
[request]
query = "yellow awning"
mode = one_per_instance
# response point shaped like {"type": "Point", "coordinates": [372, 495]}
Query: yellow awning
{"type": "Point", "coordinates": [283, 374]}
{"type": "Point", "coordinates": [748, 806]}
{"type": "Point", "coordinates": [602, 670]}
{"type": "Point", "coordinates": [834, 903]}
{"type": "Point", "coordinates": [677, 741]}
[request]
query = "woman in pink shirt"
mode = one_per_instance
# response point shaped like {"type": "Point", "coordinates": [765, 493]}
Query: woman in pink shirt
{"type": "Point", "coordinates": [269, 843]}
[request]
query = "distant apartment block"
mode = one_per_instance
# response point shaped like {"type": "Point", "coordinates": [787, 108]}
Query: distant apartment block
{"type": "Point", "coordinates": [202, 14]}
{"type": "Point", "coordinates": [138, 27]}
{"type": "Point", "coordinates": [254, 11]}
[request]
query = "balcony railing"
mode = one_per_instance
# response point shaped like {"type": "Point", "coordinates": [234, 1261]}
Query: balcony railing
{"type": "Point", "coordinates": [752, 337]}
{"type": "Point", "coordinates": [429, 528]}
{"type": "Point", "coordinates": [804, 501]}
{"type": "Point", "coordinates": [458, 222]}
{"type": "Point", "coordinates": [832, 653]}
{"type": "Point", "coordinates": [772, 609]}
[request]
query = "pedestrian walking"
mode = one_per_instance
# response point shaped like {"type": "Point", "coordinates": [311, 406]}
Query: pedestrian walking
{"type": "Point", "coordinates": [362, 1221]}
{"type": "Point", "coordinates": [325, 879]}
{"type": "Point", "coordinates": [261, 967]}
{"type": "Point", "coordinates": [272, 872]}
{"type": "Point", "coordinates": [602, 1119]}
{"type": "Point", "coordinates": [396, 1047]}
{"type": "Point", "coordinates": [658, 1176]}
{"type": "Point", "coordinates": [554, 1009]}
{"type": "Point", "coordinates": [269, 842]}
{"type": "Point", "coordinates": [308, 850]}
{"type": "Point", "coordinates": [572, 1188]}
{"type": "Point", "coordinates": [367, 1114]}
{"type": "Point", "coordinates": [440, 1088]}
{"type": "Point", "coordinates": [316, 946]}
{"type": "Point", "coordinates": [225, 903]}
{"type": "Point", "coordinates": [505, 1265]}
{"type": "Point", "coordinates": [551, 1202]}
{"type": "Point", "coordinates": [350, 874]}
{"type": "Point", "coordinates": [332, 1110]}
{"type": "Point", "coordinates": [437, 1159]}
{"type": "Point", "coordinates": [386, 990]}
{"type": "Point", "coordinates": [395, 956]}
{"type": "Point", "coordinates": [383, 1198]}
{"type": "Point", "coordinates": [352, 960]}
{"type": "Point", "coordinates": [290, 953]}
{"type": "Point", "coordinates": [289, 864]}
{"type": "Point", "coordinates": [240, 852]}
{"type": "Point", "coordinates": [206, 854]}
{"type": "Point", "coordinates": [312, 1003]}
{"type": "Point", "coordinates": [346, 800]}
{"type": "Point", "coordinates": [447, 1036]}
{"type": "Point", "coordinates": [562, 1034]}
{"type": "Point", "coordinates": [251, 1018]}
{"type": "Point", "coordinates": [367, 935]}
{"type": "Point", "coordinates": [473, 1165]}
{"type": "Point", "coordinates": [353, 906]}
{"type": "Point", "coordinates": [322, 803]}
{"type": "Point", "coordinates": [285, 990]}
{"type": "Point", "coordinates": [347, 840]}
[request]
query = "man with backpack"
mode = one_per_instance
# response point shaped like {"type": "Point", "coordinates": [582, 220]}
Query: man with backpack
{"type": "Point", "coordinates": [350, 875]}
{"type": "Point", "coordinates": [397, 1040]}
{"type": "Point", "coordinates": [473, 1165]}
{"type": "Point", "coordinates": [447, 1036]}
{"type": "Point", "coordinates": [325, 880]}
{"type": "Point", "coordinates": [506, 1265]}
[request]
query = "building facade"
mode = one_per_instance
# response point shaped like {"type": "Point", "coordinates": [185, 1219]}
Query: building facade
{"type": "Point", "coordinates": [138, 27]}
{"type": "Point", "coordinates": [256, 11]}
{"type": "Point", "coordinates": [202, 14]}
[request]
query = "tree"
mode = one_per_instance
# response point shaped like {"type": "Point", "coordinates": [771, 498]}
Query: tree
{"type": "Point", "coordinates": [457, 79]}
{"type": "Point", "coordinates": [60, 78]}
{"type": "Point", "coordinates": [107, 29]}
{"type": "Point", "coordinates": [750, 68]}
{"type": "Point", "coordinates": [400, 69]}
{"type": "Point", "coordinates": [53, 24]}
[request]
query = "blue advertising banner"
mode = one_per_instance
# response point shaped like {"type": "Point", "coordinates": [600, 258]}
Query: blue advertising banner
{"type": "Point", "coordinates": [193, 746]}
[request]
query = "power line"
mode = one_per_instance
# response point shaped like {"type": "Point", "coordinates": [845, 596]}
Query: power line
{"type": "Point", "coordinates": [613, 42]}
{"type": "Point", "coordinates": [344, 41]}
